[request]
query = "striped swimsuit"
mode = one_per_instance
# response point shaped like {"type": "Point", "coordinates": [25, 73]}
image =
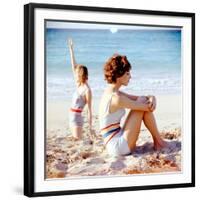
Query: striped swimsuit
{"type": "Point", "coordinates": [78, 103]}
{"type": "Point", "coordinates": [112, 132]}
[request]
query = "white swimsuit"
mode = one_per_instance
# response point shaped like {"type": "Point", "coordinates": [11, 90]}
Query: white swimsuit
{"type": "Point", "coordinates": [78, 103]}
{"type": "Point", "coordinates": [112, 132]}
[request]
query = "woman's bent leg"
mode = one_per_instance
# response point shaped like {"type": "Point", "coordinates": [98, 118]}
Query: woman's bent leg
{"type": "Point", "coordinates": [132, 127]}
{"type": "Point", "coordinates": [150, 123]}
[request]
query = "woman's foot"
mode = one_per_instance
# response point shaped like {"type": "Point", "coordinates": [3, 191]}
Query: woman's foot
{"type": "Point", "coordinates": [160, 144]}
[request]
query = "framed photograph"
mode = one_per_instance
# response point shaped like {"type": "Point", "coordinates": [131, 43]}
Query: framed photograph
{"type": "Point", "coordinates": [109, 99]}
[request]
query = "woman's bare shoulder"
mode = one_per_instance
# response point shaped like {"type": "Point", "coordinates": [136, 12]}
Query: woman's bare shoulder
{"type": "Point", "coordinates": [116, 98]}
{"type": "Point", "coordinates": [87, 88]}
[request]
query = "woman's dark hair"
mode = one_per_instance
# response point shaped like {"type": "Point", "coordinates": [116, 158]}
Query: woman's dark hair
{"type": "Point", "coordinates": [115, 67]}
{"type": "Point", "coordinates": [82, 73]}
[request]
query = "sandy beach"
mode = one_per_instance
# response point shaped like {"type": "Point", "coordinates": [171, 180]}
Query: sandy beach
{"type": "Point", "coordinates": [66, 157]}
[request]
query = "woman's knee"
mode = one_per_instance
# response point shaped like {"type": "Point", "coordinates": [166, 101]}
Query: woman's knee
{"type": "Point", "coordinates": [136, 113]}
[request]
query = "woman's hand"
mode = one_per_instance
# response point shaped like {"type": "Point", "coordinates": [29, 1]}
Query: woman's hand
{"type": "Point", "coordinates": [92, 134]}
{"type": "Point", "coordinates": [142, 99]}
{"type": "Point", "coordinates": [152, 102]}
{"type": "Point", "coordinates": [70, 43]}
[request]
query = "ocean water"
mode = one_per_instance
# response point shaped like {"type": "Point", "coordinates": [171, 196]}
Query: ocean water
{"type": "Point", "coordinates": [155, 56]}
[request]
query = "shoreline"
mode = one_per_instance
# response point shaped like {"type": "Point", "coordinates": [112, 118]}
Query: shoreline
{"type": "Point", "coordinates": [168, 111]}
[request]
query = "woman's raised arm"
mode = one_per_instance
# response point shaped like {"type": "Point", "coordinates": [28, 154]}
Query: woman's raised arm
{"type": "Point", "coordinates": [72, 57]}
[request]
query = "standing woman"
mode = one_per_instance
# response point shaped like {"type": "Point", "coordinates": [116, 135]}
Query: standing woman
{"type": "Point", "coordinates": [122, 140]}
{"type": "Point", "coordinates": [81, 97]}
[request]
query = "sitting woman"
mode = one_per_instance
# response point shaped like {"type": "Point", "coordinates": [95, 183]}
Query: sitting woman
{"type": "Point", "coordinates": [122, 140]}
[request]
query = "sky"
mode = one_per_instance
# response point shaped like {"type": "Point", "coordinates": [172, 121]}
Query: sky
{"type": "Point", "coordinates": [112, 27]}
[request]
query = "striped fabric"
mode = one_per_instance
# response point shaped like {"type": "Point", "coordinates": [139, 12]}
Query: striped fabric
{"type": "Point", "coordinates": [109, 131]}
{"type": "Point", "coordinates": [76, 110]}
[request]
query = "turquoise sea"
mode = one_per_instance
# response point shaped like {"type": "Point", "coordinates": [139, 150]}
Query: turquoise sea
{"type": "Point", "coordinates": [155, 56]}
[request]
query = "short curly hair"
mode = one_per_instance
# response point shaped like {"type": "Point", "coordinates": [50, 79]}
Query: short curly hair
{"type": "Point", "coordinates": [82, 73]}
{"type": "Point", "coordinates": [115, 67]}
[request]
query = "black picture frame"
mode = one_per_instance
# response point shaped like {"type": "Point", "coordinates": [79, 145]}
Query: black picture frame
{"type": "Point", "coordinates": [29, 97]}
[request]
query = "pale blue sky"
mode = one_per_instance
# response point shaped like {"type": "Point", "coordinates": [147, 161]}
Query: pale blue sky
{"type": "Point", "coordinates": [70, 25]}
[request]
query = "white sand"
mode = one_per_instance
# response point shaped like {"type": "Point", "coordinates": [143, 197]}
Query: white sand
{"type": "Point", "coordinates": [88, 157]}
